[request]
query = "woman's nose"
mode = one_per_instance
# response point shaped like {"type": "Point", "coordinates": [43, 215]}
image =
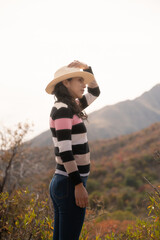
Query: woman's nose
{"type": "Point", "coordinates": [84, 85]}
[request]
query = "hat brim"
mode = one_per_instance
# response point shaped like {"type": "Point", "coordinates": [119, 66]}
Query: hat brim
{"type": "Point", "coordinates": [88, 77]}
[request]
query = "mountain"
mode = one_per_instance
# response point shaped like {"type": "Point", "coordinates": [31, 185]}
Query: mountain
{"type": "Point", "coordinates": [125, 117]}
{"type": "Point", "coordinates": [42, 140]}
{"type": "Point", "coordinates": [118, 119]}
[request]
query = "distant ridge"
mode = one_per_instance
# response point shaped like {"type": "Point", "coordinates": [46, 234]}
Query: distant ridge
{"type": "Point", "coordinates": [118, 119]}
{"type": "Point", "coordinates": [125, 117]}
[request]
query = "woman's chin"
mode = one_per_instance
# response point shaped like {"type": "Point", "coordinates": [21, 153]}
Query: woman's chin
{"type": "Point", "coordinates": [80, 96]}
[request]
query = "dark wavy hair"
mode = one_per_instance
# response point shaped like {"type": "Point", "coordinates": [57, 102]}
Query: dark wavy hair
{"type": "Point", "coordinates": [62, 94]}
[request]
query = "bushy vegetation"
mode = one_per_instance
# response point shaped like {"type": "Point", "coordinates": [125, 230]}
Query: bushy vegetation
{"type": "Point", "coordinates": [115, 227]}
{"type": "Point", "coordinates": [26, 215]}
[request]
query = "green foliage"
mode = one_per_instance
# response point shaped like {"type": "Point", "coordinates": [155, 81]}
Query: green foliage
{"type": "Point", "coordinates": [96, 200]}
{"type": "Point", "coordinates": [92, 185]}
{"type": "Point", "coordinates": [144, 229]}
{"type": "Point", "coordinates": [84, 233]}
{"type": "Point", "coordinates": [24, 216]}
{"type": "Point", "coordinates": [116, 215]}
{"type": "Point", "coordinates": [122, 215]}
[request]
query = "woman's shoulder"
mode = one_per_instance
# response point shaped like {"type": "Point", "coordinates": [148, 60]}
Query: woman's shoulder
{"type": "Point", "coordinates": [61, 110]}
{"type": "Point", "coordinates": [59, 105]}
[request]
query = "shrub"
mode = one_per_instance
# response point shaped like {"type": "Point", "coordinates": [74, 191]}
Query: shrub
{"type": "Point", "coordinates": [144, 229]}
{"type": "Point", "coordinates": [92, 185]}
{"type": "Point", "coordinates": [24, 216]}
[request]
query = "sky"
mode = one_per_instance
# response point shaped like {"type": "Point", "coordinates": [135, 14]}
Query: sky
{"type": "Point", "coordinates": [118, 38]}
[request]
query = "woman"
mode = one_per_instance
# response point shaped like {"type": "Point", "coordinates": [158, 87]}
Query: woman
{"type": "Point", "coordinates": [68, 185]}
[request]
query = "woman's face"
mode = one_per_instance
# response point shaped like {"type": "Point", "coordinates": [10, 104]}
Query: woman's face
{"type": "Point", "coordinates": [75, 86]}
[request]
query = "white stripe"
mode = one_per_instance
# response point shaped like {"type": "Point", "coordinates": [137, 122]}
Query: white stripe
{"type": "Point", "coordinates": [71, 166]}
{"type": "Point", "coordinates": [90, 98]}
{"type": "Point", "coordinates": [82, 159]}
{"type": "Point", "coordinates": [84, 174]}
{"type": "Point", "coordinates": [61, 172]}
{"type": "Point", "coordinates": [60, 104]}
{"type": "Point", "coordinates": [79, 138]}
{"type": "Point", "coordinates": [76, 139]}
{"type": "Point", "coordinates": [66, 174]}
{"type": "Point", "coordinates": [65, 146]}
{"type": "Point", "coordinates": [55, 141]}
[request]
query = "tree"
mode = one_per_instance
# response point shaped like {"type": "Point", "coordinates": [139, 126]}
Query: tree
{"type": "Point", "coordinates": [11, 145]}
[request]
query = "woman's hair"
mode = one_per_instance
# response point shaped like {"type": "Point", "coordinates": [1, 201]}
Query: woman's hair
{"type": "Point", "coordinates": [62, 95]}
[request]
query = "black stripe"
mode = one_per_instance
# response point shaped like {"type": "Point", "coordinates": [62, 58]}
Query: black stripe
{"type": "Point", "coordinates": [80, 148]}
{"type": "Point", "coordinates": [84, 169]}
{"type": "Point", "coordinates": [56, 151]}
{"type": "Point", "coordinates": [53, 132]}
{"type": "Point", "coordinates": [67, 156]}
{"type": "Point", "coordinates": [79, 128]}
{"type": "Point", "coordinates": [83, 102]}
{"type": "Point", "coordinates": [94, 91]}
{"type": "Point", "coordinates": [76, 149]}
{"type": "Point", "coordinates": [75, 177]}
{"type": "Point", "coordinates": [63, 113]}
{"type": "Point", "coordinates": [61, 135]}
{"type": "Point", "coordinates": [53, 110]}
{"type": "Point", "coordinates": [60, 167]}
{"type": "Point", "coordinates": [64, 134]}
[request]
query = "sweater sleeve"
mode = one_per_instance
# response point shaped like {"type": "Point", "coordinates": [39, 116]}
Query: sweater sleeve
{"type": "Point", "coordinates": [92, 94]}
{"type": "Point", "coordinates": [63, 128]}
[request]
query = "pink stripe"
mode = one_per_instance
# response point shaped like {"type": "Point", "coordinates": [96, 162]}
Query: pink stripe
{"type": "Point", "coordinates": [76, 120]}
{"type": "Point", "coordinates": [51, 123]}
{"type": "Point", "coordinates": [63, 123]}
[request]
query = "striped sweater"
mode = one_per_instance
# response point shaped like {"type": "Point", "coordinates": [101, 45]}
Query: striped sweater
{"type": "Point", "coordinates": [70, 138]}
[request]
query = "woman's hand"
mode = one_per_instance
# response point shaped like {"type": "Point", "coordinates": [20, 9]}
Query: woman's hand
{"type": "Point", "coordinates": [81, 196]}
{"type": "Point", "coordinates": [78, 64]}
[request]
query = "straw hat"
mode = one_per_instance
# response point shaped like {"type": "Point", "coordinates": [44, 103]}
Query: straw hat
{"type": "Point", "coordinates": [68, 72]}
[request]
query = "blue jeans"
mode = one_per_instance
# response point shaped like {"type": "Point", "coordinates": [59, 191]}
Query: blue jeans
{"type": "Point", "coordinates": [68, 217]}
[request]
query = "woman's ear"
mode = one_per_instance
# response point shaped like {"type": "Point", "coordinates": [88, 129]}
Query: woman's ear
{"type": "Point", "coordinates": [65, 83]}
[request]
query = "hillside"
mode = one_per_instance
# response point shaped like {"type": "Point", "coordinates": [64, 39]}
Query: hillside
{"type": "Point", "coordinates": [39, 161]}
{"type": "Point", "coordinates": [119, 119]}
{"type": "Point", "coordinates": [134, 145]}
